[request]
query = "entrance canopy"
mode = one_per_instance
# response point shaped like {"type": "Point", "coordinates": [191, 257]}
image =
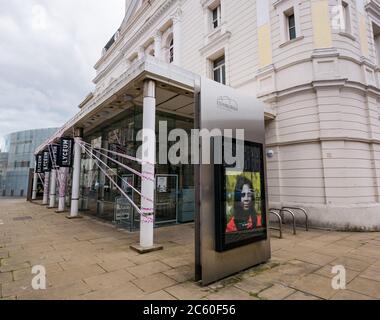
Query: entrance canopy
{"type": "Point", "coordinates": [175, 89]}
{"type": "Point", "coordinates": [174, 93]}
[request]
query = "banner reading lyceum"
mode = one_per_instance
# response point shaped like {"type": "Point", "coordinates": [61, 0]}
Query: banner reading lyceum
{"type": "Point", "coordinates": [65, 153]}
{"type": "Point", "coordinates": [55, 153]}
{"type": "Point", "coordinates": [39, 163]}
{"type": "Point", "coordinates": [46, 163]}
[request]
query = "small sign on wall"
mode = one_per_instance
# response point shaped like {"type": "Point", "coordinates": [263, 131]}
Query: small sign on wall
{"type": "Point", "coordinates": [162, 184]}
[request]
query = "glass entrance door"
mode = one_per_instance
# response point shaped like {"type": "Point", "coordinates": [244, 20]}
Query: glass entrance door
{"type": "Point", "coordinates": [166, 199]}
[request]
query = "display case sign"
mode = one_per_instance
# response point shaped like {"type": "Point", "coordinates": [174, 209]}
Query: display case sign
{"type": "Point", "coordinates": [66, 152]}
{"type": "Point", "coordinates": [123, 210]}
{"type": "Point", "coordinates": [46, 162]}
{"type": "Point", "coordinates": [162, 184]}
{"type": "Point", "coordinates": [240, 201]}
{"type": "Point", "coordinates": [39, 163]}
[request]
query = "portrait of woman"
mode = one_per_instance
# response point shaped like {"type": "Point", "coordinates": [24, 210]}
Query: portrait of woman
{"type": "Point", "coordinates": [244, 215]}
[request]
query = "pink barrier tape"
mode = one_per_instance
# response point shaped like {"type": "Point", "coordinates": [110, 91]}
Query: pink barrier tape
{"type": "Point", "coordinates": [121, 190]}
{"type": "Point", "coordinates": [144, 176]}
{"type": "Point", "coordinates": [132, 187]}
{"type": "Point", "coordinates": [128, 168]}
{"type": "Point", "coordinates": [120, 154]}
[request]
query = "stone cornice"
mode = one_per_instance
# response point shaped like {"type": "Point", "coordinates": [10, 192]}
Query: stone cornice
{"type": "Point", "coordinates": [373, 7]}
{"type": "Point", "coordinates": [322, 139]}
{"type": "Point", "coordinates": [132, 41]}
{"type": "Point", "coordinates": [321, 84]}
{"type": "Point", "coordinates": [148, 24]}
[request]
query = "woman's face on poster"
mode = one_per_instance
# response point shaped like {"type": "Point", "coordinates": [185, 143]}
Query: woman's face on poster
{"type": "Point", "coordinates": [246, 197]}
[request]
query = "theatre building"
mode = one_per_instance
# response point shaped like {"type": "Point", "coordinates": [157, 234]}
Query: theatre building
{"type": "Point", "coordinates": [314, 66]}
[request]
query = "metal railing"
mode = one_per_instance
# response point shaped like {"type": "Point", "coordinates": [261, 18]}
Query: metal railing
{"type": "Point", "coordinates": [281, 213]}
{"type": "Point", "coordinates": [279, 220]}
{"type": "Point", "coordinates": [302, 210]}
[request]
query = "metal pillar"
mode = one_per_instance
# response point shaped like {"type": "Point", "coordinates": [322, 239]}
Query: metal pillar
{"type": "Point", "coordinates": [53, 188]}
{"type": "Point", "coordinates": [148, 156]}
{"type": "Point", "coordinates": [35, 185]}
{"type": "Point", "coordinates": [76, 174]}
{"type": "Point", "coordinates": [45, 200]}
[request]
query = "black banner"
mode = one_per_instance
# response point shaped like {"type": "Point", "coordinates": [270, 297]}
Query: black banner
{"type": "Point", "coordinates": [66, 152]}
{"type": "Point", "coordinates": [39, 163]}
{"type": "Point", "coordinates": [46, 162]}
{"type": "Point", "coordinates": [55, 153]}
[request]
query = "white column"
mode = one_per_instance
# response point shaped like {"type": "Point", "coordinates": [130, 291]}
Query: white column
{"type": "Point", "coordinates": [45, 200]}
{"type": "Point", "coordinates": [35, 185]}
{"type": "Point", "coordinates": [102, 177]}
{"type": "Point", "coordinates": [177, 37]}
{"type": "Point", "coordinates": [149, 156]}
{"type": "Point", "coordinates": [63, 173]}
{"type": "Point", "coordinates": [76, 175]}
{"type": "Point", "coordinates": [53, 188]}
{"type": "Point", "coordinates": [158, 45]}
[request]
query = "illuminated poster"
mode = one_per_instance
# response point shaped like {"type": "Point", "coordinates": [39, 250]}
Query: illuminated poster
{"type": "Point", "coordinates": [240, 201]}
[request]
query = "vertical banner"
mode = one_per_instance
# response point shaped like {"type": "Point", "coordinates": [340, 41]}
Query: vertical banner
{"type": "Point", "coordinates": [39, 163]}
{"type": "Point", "coordinates": [55, 153]}
{"type": "Point", "coordinates": [46, 162]}
{"type": "Point", "coordinates": [65, 153]}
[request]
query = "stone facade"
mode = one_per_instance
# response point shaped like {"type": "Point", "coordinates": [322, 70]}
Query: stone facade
{"type": "Point", "coordinates": [320, 84]}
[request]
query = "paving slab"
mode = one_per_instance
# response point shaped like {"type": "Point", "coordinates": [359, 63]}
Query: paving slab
{"type": "Point", "coordinates": [89, 259]}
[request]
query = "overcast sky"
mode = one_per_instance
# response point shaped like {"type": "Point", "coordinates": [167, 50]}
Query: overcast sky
{"type": "Point", "coordinates": [47, 52]}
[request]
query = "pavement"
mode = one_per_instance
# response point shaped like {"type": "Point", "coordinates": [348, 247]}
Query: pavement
{"type": "Point", "coordinates": [91, 260]}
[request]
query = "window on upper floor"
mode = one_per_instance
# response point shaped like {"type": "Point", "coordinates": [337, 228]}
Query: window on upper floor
{"type": "Point", "coordinates": [290, 19]}
{"type": "Point", "coordinates": [219, 70]}
{"type": "Point", "coordinates": [346, 17]}
{"type": "Point", "coordinates": [171, 51]}
{"type": "Point", "coordinates": [217, 16]}
{"type": "Point", "coordinates": [376, 41]}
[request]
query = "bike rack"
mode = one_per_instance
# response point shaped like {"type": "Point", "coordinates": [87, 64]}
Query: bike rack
{"type": "Point", "coordinates": [281, 212]}
{"type": "Point", "coordinates": [280, 222]}
{"type": "Point", "coordinates": [304, 211]}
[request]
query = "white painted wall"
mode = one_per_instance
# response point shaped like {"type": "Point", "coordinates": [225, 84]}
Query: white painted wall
{"type": "Point", "coordinates": [326, 135]}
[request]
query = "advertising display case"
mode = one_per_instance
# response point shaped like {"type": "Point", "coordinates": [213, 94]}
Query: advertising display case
{"type": "Point", "coordinates": [240, 201]}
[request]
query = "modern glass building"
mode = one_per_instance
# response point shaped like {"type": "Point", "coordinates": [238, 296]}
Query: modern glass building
{"type": "Point", "coordinates": [17, 158]}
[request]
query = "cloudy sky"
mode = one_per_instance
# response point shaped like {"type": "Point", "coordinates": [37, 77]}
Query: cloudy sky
{"type": "Point", "coordinates": [47, 52]}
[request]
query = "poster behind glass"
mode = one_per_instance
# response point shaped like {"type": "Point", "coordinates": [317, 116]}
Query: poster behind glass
{"type": "Point", "coordinates": [240, 201]}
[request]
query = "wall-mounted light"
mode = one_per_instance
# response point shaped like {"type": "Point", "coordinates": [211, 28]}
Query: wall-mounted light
{"type": "Point", "coordinates": [270, 153]}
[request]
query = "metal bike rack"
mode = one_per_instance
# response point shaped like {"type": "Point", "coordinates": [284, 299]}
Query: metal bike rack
{"type": "Point", "coordinates": [280, 222]}
{"type": "Point", "coordinates": [281, 213]}
{"type": "Point", "coordinates": [304, 211]}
